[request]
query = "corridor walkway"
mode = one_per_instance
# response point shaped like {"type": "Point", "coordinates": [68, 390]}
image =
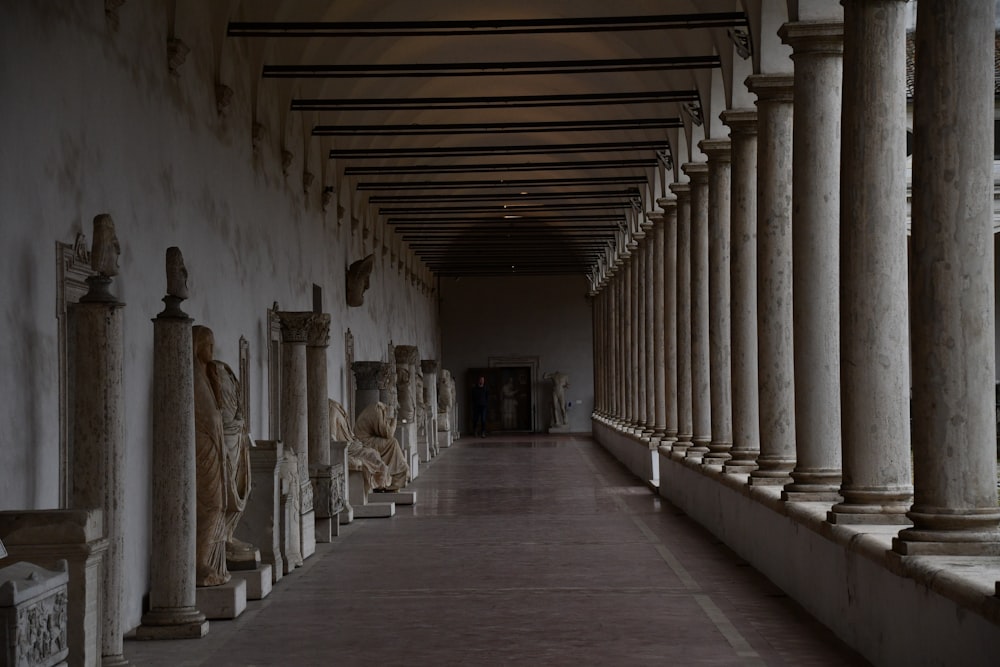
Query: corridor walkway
{"type": "Point", "coordinates": [520, 551]}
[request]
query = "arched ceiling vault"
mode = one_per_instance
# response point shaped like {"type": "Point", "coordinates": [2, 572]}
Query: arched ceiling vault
{"type": "Point", "coordinates": [497, 137]}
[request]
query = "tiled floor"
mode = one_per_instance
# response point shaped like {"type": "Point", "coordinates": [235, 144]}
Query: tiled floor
{"type": "Point", "coordinates": [521, 550]}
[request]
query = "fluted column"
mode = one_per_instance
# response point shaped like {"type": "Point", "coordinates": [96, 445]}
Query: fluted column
{"type": "Point", "coordinates": [669, 205]}
{"type": "Point", "coordinates": [720, 366]}
{"type": "Point", "coordinates": [817, 50]}
{"type": "Point", "coordinates": [743, 284]}
{"type": "Point", "coordinates": [701, 396]}
{"type": "Point", "coordinates": [173, 613]}
{"type": "Point", "coordinates": [656, 306]}
{"type": "Point", "coordinates": [685, 427]}
{"type": "Point", "coordinates": [776, 370]}
{"type": "Point", "coordinates": [954, 433]}
{"type": "Point", "coordinates": [318, 414]}
{"type": "Point", "coordinates": [874, 345]}
{"type": "Point", "coordinates": [99, 443]}
{"type": "Point", "coordinates": [295, 328]}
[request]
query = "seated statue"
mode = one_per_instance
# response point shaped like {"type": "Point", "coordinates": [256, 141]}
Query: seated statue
{"type": "Point", "coordinates": [360, 458]}
{"type": "Point", "coordinates": [376, 429]}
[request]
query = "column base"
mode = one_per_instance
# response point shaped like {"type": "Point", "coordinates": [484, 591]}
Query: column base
{"type": "Point", "coordinates": [870, 518]}
{"type": "Point", "coordinates": [768, 479]}
{"type": "Point", "coordinates": [679, 449]}
{"type": "Point", "coordinates": [324, 531]}
{"type": "Point", "coordinates": [904, 547]}
{"type": "Point", "coordinates": [817, 496]}
{"type": "Point", "coordinates": [179, 623]}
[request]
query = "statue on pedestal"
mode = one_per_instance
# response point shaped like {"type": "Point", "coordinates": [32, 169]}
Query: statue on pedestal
{"type": "Point", "coordinates": [210, 463]}
{"type": "Point", "coordinates": [360, 458]}
{"type": "Point", "coordinates": [376, 429]}
{"type": "Point", "coordinates": [560, 382]}
{"type": "Point", "coordinates": [446, 399]}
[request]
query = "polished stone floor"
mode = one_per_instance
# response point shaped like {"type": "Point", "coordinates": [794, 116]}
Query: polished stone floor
{"type": "Point", "coordinates": [528, 550]}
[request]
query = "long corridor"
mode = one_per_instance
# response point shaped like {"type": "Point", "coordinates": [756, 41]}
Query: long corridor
{"type": "Point", "coordinates": [537, 550]}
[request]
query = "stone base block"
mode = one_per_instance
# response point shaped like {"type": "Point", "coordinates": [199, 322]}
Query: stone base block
{"type": "Point", "coordinates": [192, 630]}
{"type": "Point", "coordinates": [811, 496]}
{"type": "Point", "coordinates": [443, 439]}
{"type": "Point", "coordinates": [375, 511]}
{"type": "Point", "coordinates": [768, 481]}
{"type": "Point", "coordinates": [324, 530]}
{"type": "Point", "coordinates": [559, 429]}
{"type": "Point", "coordinates": [223, 602]}
{"type": "Point", "coordinates": [903, 548]}
{"type": "Point", "coordinates": [308, 534]}
{"type": "Point", "coordinates": [867, 519]}
{"type": "Point", "coordinates": [346, 516]}
{"type": "Point", "coordinates": [258, 581]}
{"type": "Point", "coordinates": [397, 497]}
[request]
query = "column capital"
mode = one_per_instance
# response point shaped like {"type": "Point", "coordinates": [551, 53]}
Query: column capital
{"type": "Point", "coordinates": [696, 171]}
{"type": "Point", "coordinates": [297, 326]}
{"type": "Point", "coordinates": [372, 374]}
{"type": "Point", "coordinates": [654, 217]}
{"type": "Point", "coordinates": [319, 330]}
{"type": "Point", "coordinates": [667, 201]}
{"type": "Point", "coordinates": [682, 190]}
{"type": "Point", "coordinates": [771, 87]}
{"type": "Point", "coordinates": [740, 121]}
{"type": "Point", "coordinates": [717, 150]}
{"type": "Point", "coordinates": [813, 37]}
{"type": "Point", "coordinates": [407, 354]}
{"type": "Point", "coordinates": [429, 365]}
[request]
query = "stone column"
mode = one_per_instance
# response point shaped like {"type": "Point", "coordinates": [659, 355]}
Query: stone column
{"type": "Point", "coordinates": [719, 305]}
{"type": "Point", "coordinates": [611, 289]}
{"type": "Point", "coordinates": [649, 365]}
{"type": "Point", "coordinates": [407, 361]}
{"type": "Point", "coordinates": [621, 282]}
{"type": "Point", "coordinates": [639, 293]}
{"type": "Point", "coordinates": [295, 330]}
{"type": "Point", "coordinates": [656, 306]}
{"type": "Point", "coordinates": [701, 397]}
{"type": "Point", "coordinates": [628, 343]}
{"type": "Point", "coordinates": [776, 370]}
{"type": "Point", "coordinates": [318, 413]}
{"type": "Point", "coordinates": [99, 442]}
{"type": "Point", "coordinates": [669, 205]}
{"type": "Point", "coordinates": [817, 50]}
{"type": "Point", "coordinates": [684, 418]}
{"type": "Point", "coordinates": [430, 369]}
{"type": "Point", "coordinates": [874, 350]}
{"type": "Point", "coordinates": [954, 430]}
{"type": "Point", "coordinates": [743, 283]}
{"type": "Point", "coordinates": [173, 613]}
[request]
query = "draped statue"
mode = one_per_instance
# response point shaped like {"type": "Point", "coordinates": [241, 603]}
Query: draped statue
{"type": "Point", "coordinates": [376, 429]}
{"type": "Point", "coordinates": [360, 458]}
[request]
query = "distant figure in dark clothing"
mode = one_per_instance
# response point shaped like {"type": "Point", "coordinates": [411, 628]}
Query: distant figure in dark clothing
{"type": "Point", "coordinates": [480, 402]}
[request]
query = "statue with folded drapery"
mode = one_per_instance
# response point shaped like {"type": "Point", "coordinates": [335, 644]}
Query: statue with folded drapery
{"type": "Point", "coordinates": [446, 398]}
{"type": "Point", "coordinates": [376, 429]}
{"type": "Point", "coordinates": [560, 382]}
{"type": "Point", "coordinates": [360, 457]}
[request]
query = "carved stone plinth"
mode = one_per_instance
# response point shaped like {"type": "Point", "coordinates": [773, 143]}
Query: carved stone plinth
{"type": "Point", "coordinates": [45, 537]}
{"type": "Point", "coordinates": [328, 495]}
{"type": "Point", "coordinates": [224, 602]}
{"type": "Point", "coordinates": [338, 456]}
{"type": "Point", "coordinates": [261, 522]}
{"type": "Point", "coordinates": [444, 439]}
{"type": "Point", "coordinates": [34, 609]}
{"type": "Point", "coordinates": [363, 509]}
{"type": "Point", "coordinates": [258, 581]}
{"type": "Point", "coordinates": [406, 434]}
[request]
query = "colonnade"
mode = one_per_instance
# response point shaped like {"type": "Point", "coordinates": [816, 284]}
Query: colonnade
{"type": "Point", "coordinates": [758, 322]}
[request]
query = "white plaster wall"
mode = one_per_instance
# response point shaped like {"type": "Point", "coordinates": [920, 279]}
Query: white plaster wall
{"type": "Point", "coordinates": [92, 122]}
{"type": "Point", "coordinates": [548, 317]}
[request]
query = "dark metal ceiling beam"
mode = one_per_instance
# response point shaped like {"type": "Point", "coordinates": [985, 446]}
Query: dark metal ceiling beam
{"type": "Point", "coordinates": [418, 129]}
{"type": "Point", "coordinates": [493, 68]}
{"type": "Point", "coordinates": [388, 170]}
{"type": "Point", "coordinates": [489, 102]}
{"type": "Point", "coordinates": [501, 183]}
{"type": "Point", "coordinates": [355, 29]}
{"type": "Point", "coordinates": [491, 196]}
{"type": "Point", "coordinates": [490, 151]}
{"type": "Point", "coordinates": [512, 207]}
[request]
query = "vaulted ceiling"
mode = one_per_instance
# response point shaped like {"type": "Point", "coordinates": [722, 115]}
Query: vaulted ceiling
{"type": "Point", "coordinates": [497, 138]}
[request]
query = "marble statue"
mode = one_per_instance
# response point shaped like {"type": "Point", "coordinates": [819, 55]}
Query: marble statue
{"type": "Point", "coordinates": [106, 251]}
{"type": "Point", "coordinates": [358, 280]}
{"type": "Point", "coordinates": [446, 398]}
{"type": "Point", "coordinates": [508, 396]}
{"type": "Point", "coordinates": [560, 382]}
{"type": "Point", "coordinates": [210, 463]}
{"type": "Point", "coordinates": [177, 274]}
{"type": "Point", "coordinates": [360, 458]}
{"type": "Point", "coordinates": [376, 429]}
{"type": "Point", "coordinates": [404, 393]}
{"type": "Point", "coordinates": [236, 434]}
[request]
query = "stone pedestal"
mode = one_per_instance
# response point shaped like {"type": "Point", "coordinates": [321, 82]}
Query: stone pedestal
{"type": "Point", "coordinates": [360, 502]}
{"type": "Point", "coordinates": [224, 602]}
{"type": "Point", "coordinates": [172, 612]}
{"type": "Point", "coordinates": [99, 444]}
{"type": "Point", "coordinates": [258, 581]}
{"type": "Point", "coordinates": [33, 615]}
{"type": "Point", "coordinates": [45, 537]}
{"type": "Point", "coordinates": [341, 483]}
{"type": "Point", "coordinates": [261, 522]}
{"type": "Point", "coordinates": [320, 472]}
{"type": "Point", "coordinates": [444, 439]}
{"type": "Point", "coordinates": [406, 434]}
{"type": "Point", "coordinates": [429, 367]}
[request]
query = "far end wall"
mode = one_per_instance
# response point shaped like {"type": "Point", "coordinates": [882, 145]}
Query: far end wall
{"type": "Point", "coordinates": [546, 317]}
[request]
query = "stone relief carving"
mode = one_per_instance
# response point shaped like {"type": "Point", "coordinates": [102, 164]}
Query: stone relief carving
{"type": "Point", "coordinates": [210, 463]}
{"type": "Point", "coordinates": [358, 280]}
